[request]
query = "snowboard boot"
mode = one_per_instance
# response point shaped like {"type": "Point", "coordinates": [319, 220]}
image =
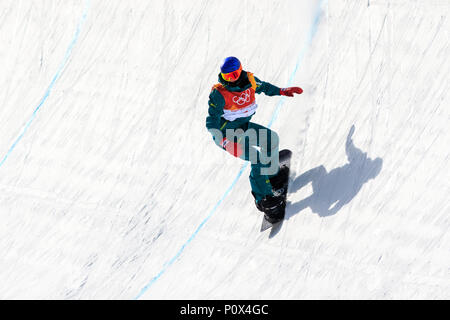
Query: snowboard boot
{"type": "Point", "coordinates": [279, 180]}
{"type": "Point", "coordinates": [273, 207]}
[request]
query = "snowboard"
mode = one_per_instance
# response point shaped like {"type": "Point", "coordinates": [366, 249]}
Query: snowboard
{"type": "Point", "coordinates": [285, 160]}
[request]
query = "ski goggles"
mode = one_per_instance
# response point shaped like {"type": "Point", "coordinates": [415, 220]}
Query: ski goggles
{"type": "Point", "coordinates": [232, 76]}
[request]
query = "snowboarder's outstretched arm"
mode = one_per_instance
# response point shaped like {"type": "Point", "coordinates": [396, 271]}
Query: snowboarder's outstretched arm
{"type": "Point", "coordinates": [267, 88]}
{"type": "Point", "coordinates": [271, 90]}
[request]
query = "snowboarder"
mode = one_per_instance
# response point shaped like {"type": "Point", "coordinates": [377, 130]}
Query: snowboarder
{"type": "Point", "coordinates": [231, 106]}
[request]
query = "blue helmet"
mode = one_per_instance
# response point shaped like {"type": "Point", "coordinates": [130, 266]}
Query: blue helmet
{"type": "Point", "coordinates": [230, 64]}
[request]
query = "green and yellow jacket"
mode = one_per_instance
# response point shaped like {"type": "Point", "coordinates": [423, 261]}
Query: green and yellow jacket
{"type": "Point", "coordinates": [232, 104]}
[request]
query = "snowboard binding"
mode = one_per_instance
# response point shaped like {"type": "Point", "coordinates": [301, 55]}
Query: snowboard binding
{"type": "Point", "coordinates": [273, 207]}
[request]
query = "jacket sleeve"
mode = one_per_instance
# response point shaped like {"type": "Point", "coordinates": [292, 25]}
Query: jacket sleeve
{"type": "Point", "coordinates": [216, 104]}
{"type": "Point", "coordinates": [266, 87]}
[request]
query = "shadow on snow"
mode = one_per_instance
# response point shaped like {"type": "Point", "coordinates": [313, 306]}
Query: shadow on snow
{"type": "Point", "coordinates": [333, 190]}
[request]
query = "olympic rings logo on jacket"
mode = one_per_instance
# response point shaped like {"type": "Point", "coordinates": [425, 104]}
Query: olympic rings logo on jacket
{"type": "Point", "coordinates": [243, 98]}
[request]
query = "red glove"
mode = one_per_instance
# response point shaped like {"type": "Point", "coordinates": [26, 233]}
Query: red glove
{"type": "Point", "coordinates": [290, 91]}
{"type": "Point", "coordinates": [234, 149]}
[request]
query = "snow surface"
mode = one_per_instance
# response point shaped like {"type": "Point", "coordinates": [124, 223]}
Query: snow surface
{"type": "Point", "coordinates": [111, 187]}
